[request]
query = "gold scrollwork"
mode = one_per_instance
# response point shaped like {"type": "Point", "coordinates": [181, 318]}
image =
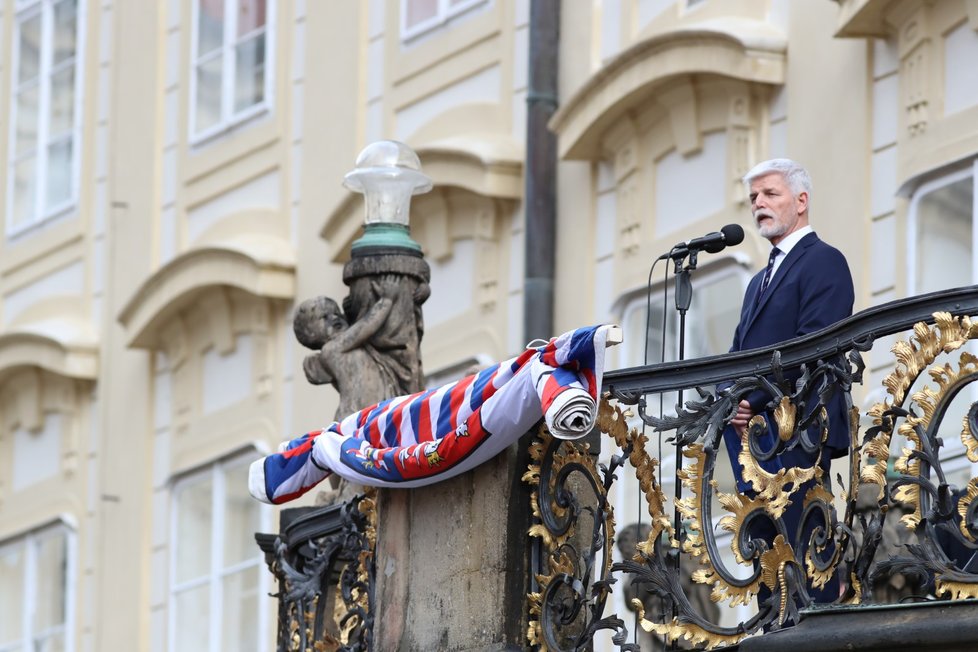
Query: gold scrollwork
{"type": "Point", "coordinates": [560, 565]}
{"type": "Point", "coordinates": [971, 492]}
{"type": "Point", "coordinates": [946, 377]}
{"type": "Point", "coordinates": [770, 487]}
{"type": "Point", "coordinates": [784, 417]}
{"type": "Point", "coordinates": [559, 562]}
{"type": "Point", "coordinates": [954, 590]}
{"type": "Point", "coordinates": [611, 421]}
{"type": "Point", "coordinates": [773, 564]}
{"type": "Point", "coordinates": [819, 493]}
{"type": "Point", "coordinates": [676, 630]}
{"type": "Point", "coordinates": [948, 334]}
{"type": "Point", "coordinates": [368, 509]}
{"type": "Point", "coordinates": [689, 508]}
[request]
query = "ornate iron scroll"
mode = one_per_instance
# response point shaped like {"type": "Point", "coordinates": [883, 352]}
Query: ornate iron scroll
{"type": "Point", "coordinates": [790, 546]}
{"type": "Point", "coordinates": [567, 609]}
{"type": "Point", "coordinates": [943, 517]}
{"type": "Point", "coordinates": [326, 579]}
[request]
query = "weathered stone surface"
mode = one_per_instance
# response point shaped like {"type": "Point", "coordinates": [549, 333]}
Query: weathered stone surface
{"type": "Point", "coordinates": [451, 562]}
{"type": "Point", "coordinates": [397, 341]}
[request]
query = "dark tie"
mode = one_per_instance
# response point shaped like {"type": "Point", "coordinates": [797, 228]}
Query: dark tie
{"type": "Point", "coordinates": [767, 273]}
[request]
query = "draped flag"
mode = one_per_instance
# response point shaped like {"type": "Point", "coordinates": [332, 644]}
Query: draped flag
{"type": "Point", "coordinates": [433, 435]}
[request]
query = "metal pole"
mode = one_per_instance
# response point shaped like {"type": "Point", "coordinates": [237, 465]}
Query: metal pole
{"type": "Point", "coordinates": [540, 197]}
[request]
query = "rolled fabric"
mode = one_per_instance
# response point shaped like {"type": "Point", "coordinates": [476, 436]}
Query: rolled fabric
{"type": "Point", "coordinates": [422, 438]}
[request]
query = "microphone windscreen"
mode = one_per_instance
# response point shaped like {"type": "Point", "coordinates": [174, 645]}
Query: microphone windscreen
{"type": "Point", "coordinates": [733, 234]}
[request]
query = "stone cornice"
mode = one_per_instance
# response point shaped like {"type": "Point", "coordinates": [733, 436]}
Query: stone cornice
{"type": "Point", "coordinates": [71, 357]}
{"type": "Point", "coordinates": [262, 266]}
{"type": "Point", "coordinates": [736, 48]}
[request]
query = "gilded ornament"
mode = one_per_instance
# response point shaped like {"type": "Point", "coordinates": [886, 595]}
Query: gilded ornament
{"type": "Point", "coordinates": [948, 334]}
{"type": "Point", "coordinates": [559, 562]}
{"type": "Point", "coordinates": [676, 630]}
{"type": "Point", "coordinates": [773, 564]}
{"type": "Point", "coordinates": [784, 417]}
{"type": "Point", "coordinates": [955, 590]}
{"type": "Point", "coordinates": [971, 492]}
{"type": "Point", "coordinates": [770, 487]}
{"type": "Point", "coordinates": [611, 421]}
{"type": "Point", "coordinates": [819, 494]}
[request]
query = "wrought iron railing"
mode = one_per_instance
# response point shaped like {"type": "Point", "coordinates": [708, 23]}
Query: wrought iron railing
{"type": "Point", "coordinates": [323, 559]}
{"type": "Point", "coordinates": [779, 549]}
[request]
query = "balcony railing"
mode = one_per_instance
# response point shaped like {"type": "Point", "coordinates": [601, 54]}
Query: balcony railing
{"type": "Point", "coordinates": [323, 559]}
{"type": "Point", "coordinates": [898, 523]}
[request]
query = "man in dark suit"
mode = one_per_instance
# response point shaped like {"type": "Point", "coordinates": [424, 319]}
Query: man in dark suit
{"type": "Point", "coordinates": [805, 287]}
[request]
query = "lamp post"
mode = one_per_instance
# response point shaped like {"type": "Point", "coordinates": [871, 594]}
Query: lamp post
{"type": "Point", "coordinates": [388, 174]}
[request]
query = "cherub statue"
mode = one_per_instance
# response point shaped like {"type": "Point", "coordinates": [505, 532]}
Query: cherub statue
{"type": "Point", "coordinates": [344, 356]}
{"type": "Point", "coordinates": [397, 341]}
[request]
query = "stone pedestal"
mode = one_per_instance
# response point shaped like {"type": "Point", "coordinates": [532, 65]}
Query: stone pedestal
{"type": "Point", "coordinates": [451, 561]}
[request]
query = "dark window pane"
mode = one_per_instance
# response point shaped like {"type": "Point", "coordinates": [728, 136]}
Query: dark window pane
{"type": "Point", "coordinates": [249, 87]}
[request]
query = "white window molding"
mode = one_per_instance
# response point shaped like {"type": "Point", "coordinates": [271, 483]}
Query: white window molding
{"type": "Point", "coordinates": [940, 255]}
{"type": "Point", "coordinates": [43, 622]}
{"type": "Point", "coordinates": [229, 108]}
{"type": "Point", "coordinates": [44, 131]}
{"type": "Point", "coordinates": [441, 12]}
{"type": "Point", "coordinates": [917, 226]}
{"type": "Point", "coordinates": [206, 562]}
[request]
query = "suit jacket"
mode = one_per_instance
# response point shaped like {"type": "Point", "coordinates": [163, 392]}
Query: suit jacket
{"type": "Point", "coordinates": [812, 289]}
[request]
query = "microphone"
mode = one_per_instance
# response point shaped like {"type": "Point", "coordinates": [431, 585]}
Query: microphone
{"type": "Point", "coordinates": [711, 243]}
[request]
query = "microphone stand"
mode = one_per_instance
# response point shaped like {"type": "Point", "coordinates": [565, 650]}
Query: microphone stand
{"type": "Point", "coordinates": [684, 298]}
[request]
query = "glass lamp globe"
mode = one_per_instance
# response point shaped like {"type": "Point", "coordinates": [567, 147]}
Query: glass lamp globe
{"type": "Point", "coordinates": [387, 173]}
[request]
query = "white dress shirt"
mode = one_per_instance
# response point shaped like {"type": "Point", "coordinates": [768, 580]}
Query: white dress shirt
{"type": "Point", "coordinates": [786, 245]}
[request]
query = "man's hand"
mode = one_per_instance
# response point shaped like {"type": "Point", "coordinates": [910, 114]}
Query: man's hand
{"type": "Point", "coordinates": [744, 414]}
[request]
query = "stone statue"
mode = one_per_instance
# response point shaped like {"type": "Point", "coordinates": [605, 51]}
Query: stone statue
{"type": "Point", "coordinates": [345, 356]}
{"type": "Point", "coordinates": [370, 350]}
{"type": "Point", "coordinates": [397, 341]}
{"type": "Point", "coordinates": [370, 353]}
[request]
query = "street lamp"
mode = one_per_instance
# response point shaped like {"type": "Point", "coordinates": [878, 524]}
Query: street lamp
{"type": "Point", "coordinates": [387, 173]}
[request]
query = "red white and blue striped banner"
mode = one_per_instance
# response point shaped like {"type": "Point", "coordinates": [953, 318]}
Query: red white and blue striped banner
{"type": "Point", "coordinates": [433, 435]}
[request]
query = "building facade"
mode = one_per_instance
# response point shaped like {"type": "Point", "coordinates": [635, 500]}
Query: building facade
{"type": "Point", "coordinates": [171, 188]}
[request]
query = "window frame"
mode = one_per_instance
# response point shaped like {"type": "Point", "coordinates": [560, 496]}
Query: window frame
{"type": "Point", "coordinates": [912, 221]}
{"type": "Point", "coordinates": [25, 10]}
{"type": "Point", "coordinates": [953, 452]}
{"type": "Point", "coordinates": [30, 542]}
{"type": "Point", "coordinates": [445, 13]}
{"type": "Point", "coordinates": [230, 120]}
{"type": "Point", "coordinates": [216, 572]}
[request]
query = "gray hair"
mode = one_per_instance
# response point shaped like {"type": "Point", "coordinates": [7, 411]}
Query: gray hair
{"type": "Point", "coordinates": [794, 175]}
